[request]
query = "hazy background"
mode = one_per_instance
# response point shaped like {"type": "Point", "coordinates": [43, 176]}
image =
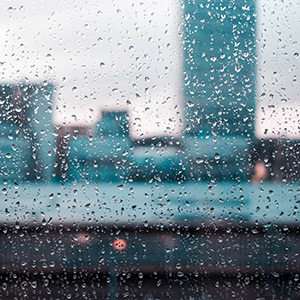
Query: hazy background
{"type": "Point", "coordinates": [278, 89]}
{"type": "Point", "coordinates": [128, 55]}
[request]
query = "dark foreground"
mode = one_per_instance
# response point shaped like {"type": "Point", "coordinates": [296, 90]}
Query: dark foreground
{"type": "Point", "coordinates": [147, 287]}
{"type": "Point", "coordinates": [180, 262]}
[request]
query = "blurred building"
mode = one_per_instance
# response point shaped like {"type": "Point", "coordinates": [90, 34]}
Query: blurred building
{"type": "Point", "coordinates": [107, 153]}
{"type": "Point", "coordinates": [219, 86]}
{"type": "Point", "coordinates": [103, 155]}
{"type": "Point", "coordinates": [158, 159]}
{"type": "Point", "coordinates": [276, 160]}
{"type": "Point", "coordinates": [26, 132]}
{"type": "Point", "coordinates": [64, 136]}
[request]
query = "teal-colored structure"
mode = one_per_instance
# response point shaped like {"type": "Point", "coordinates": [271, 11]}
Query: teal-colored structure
{"type": "Point", "coordinates": [158, 159]}
{"type": "Point", "coordinates": [109, 154]}
{"type": "Point", "coordinates": [219, 87]}
{"type": "Point", "coordinates": [26, 132]}
{"type": "Point", "coordinates": [104, 155]}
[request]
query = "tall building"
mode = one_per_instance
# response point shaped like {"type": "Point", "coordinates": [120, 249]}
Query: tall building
{"type": "Point", "coordinates": [219, 86]}
{"type": "Point", "coordinates": [26, 132]}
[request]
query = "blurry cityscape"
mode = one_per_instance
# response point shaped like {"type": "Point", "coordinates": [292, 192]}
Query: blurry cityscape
{"type": "Point", "coordinates": [212, 212]}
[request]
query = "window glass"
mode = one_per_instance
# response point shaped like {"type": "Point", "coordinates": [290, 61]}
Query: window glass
{"type": "Point", "coordinates": [149, 150]}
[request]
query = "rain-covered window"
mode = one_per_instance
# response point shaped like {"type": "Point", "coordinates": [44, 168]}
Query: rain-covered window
{"type": "Point", "coordinates": [149, 150]}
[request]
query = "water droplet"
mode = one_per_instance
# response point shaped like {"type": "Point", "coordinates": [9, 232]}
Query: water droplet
{"type": "Point", "coordinates": [199, 160]}
{"type": "Point", "coordinates": [190, 104]}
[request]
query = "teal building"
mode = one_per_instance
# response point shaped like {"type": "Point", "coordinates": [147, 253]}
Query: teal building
{"type": "Point", "coordinates": [27, 135]}
{"type": "Point", "coordinates": [102, 156]}
{"type": "Point", "coordinates": [219, 87]}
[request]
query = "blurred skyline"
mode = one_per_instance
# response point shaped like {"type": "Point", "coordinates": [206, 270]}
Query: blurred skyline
{"type": "Point", "coordinates": [128, 55]}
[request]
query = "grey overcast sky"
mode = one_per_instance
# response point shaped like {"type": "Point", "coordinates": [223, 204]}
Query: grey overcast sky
{"type": "Point", "coordinates": [128, 55]}
{"type": "Point", "coordinates": [278, 89]}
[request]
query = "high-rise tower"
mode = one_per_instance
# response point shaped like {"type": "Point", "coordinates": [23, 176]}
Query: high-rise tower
{"type": "Point", "coordinates": [219, 85]}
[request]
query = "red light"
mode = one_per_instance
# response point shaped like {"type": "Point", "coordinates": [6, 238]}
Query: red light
{"type": "Point", "coordinates": [82, 238]}
{"type": "Point", "coordinates": [119, 244]}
